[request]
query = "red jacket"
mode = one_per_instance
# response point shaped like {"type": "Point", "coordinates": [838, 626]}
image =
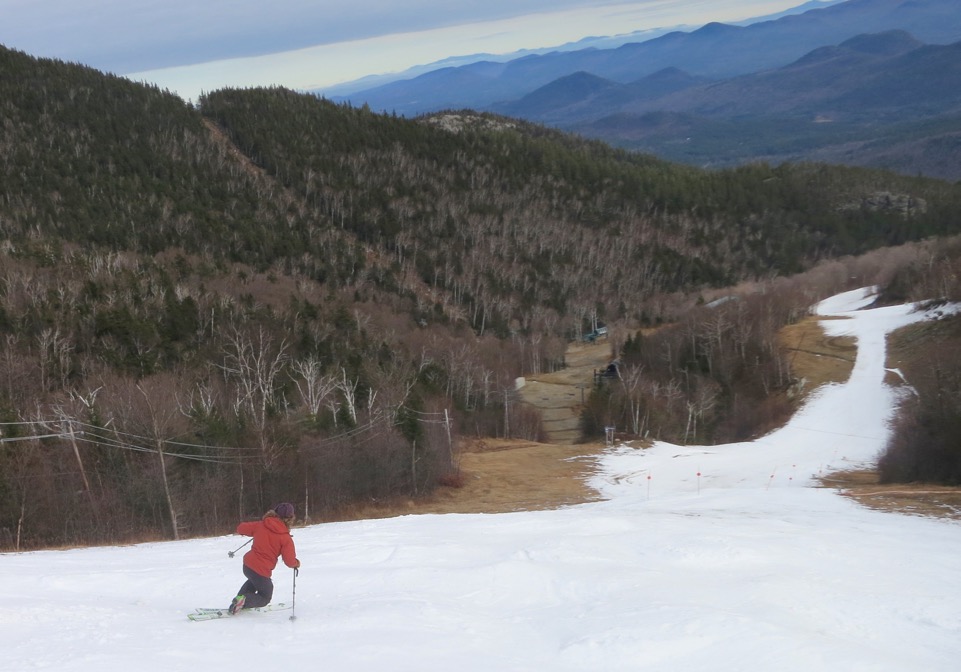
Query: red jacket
{"type": "Point", "coordinates": [271, 539]}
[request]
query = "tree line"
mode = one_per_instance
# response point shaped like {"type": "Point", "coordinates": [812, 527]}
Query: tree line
{"type": "Point", "coordinates": [924, 444]}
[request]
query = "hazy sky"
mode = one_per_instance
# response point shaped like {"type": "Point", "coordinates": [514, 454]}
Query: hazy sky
{"type": "Point", "coordinates": [193, 45]}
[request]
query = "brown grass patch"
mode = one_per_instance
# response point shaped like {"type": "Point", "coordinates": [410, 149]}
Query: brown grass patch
{"type": "Point", "coordinates": [504, 475]}
{"type": "Point", "coordinates": [815, 356]}
{"type": "Point", "coordinates": [919, 499]}
{"type": "Point", "coordinates": [510, 475]}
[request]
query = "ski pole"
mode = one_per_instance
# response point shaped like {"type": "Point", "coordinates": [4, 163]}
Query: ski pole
{"type": "Point", "coordinates": [293, 597]}
{"type": "Point", "coordinates": [230, 554]}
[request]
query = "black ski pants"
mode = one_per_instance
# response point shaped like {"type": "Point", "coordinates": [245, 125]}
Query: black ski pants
{"type": "Point", "coordinates": [257, 590]}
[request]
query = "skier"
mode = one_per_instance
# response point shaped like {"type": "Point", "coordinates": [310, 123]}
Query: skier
{"type": "Point", "coordinates": [271, 539]}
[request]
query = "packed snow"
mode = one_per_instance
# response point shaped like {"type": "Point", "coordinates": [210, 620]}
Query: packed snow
{"type": "Point", "coordinates": [698, 558]}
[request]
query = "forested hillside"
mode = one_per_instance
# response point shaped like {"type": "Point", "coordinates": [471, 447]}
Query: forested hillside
{"type": "Point", "coordinates": [271, 296]}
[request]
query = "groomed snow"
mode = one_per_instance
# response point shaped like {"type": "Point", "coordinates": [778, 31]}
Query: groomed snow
{"type": "Point", "coordinates": [700, 558]}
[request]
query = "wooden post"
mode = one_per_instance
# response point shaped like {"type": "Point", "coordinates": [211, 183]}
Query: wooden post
{"type": "Point", "coordinates": [83, 473]}
{"type": "Point", "coordinates": [413, 465]}
{"type": "Point", "coordinates": [76, 451]}
{"type": "Point", "coordinates": [450, 443]}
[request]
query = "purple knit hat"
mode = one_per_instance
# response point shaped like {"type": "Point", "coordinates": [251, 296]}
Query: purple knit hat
{"type": "Point", "coordinates": [285, 510]}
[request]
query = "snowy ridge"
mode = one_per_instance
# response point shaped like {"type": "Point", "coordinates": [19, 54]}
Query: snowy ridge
{"type": "Point", "coordinates": [733, 570]}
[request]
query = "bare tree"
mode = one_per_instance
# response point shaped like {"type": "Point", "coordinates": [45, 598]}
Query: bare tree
{"type": "Point", "coordinates": [392, 383]}
{"type": "Point", "coordinates": [255, 363]}
{"type": "Point", "coordinates": [313, 385]}
{"type": "Point", "coordinates": [630, 377]}
{"type": "Point", "coordinates": [55, 352]}
{"type": "Point", "coordinates": [349, 389]}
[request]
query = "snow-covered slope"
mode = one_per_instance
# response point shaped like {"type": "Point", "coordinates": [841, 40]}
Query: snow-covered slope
{"type": "Point", "coordinates": [701, 558]}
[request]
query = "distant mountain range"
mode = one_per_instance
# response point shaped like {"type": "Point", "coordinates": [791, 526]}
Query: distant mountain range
{"type": "Point", "coordinates": [866, 82]}
{"type": "Point", "coordinates": [347, 89]}
{"type": "Point", "coordinates": [883, 100]}
{"type": "Point", "coordinates": [868, 75]}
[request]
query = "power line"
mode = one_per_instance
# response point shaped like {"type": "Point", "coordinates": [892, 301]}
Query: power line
{"type": "Point", "coordinates": [22, 422]}
{"type": "Point", "coordinates": [113, 438]}
{"type": "Point", "coordinates": [13, 439]}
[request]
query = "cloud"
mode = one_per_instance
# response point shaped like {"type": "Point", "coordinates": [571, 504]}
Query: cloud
{"type": "Point", "coordinates": [188, 46]}
{"type": "Point", "coordinates": [130, 35]}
